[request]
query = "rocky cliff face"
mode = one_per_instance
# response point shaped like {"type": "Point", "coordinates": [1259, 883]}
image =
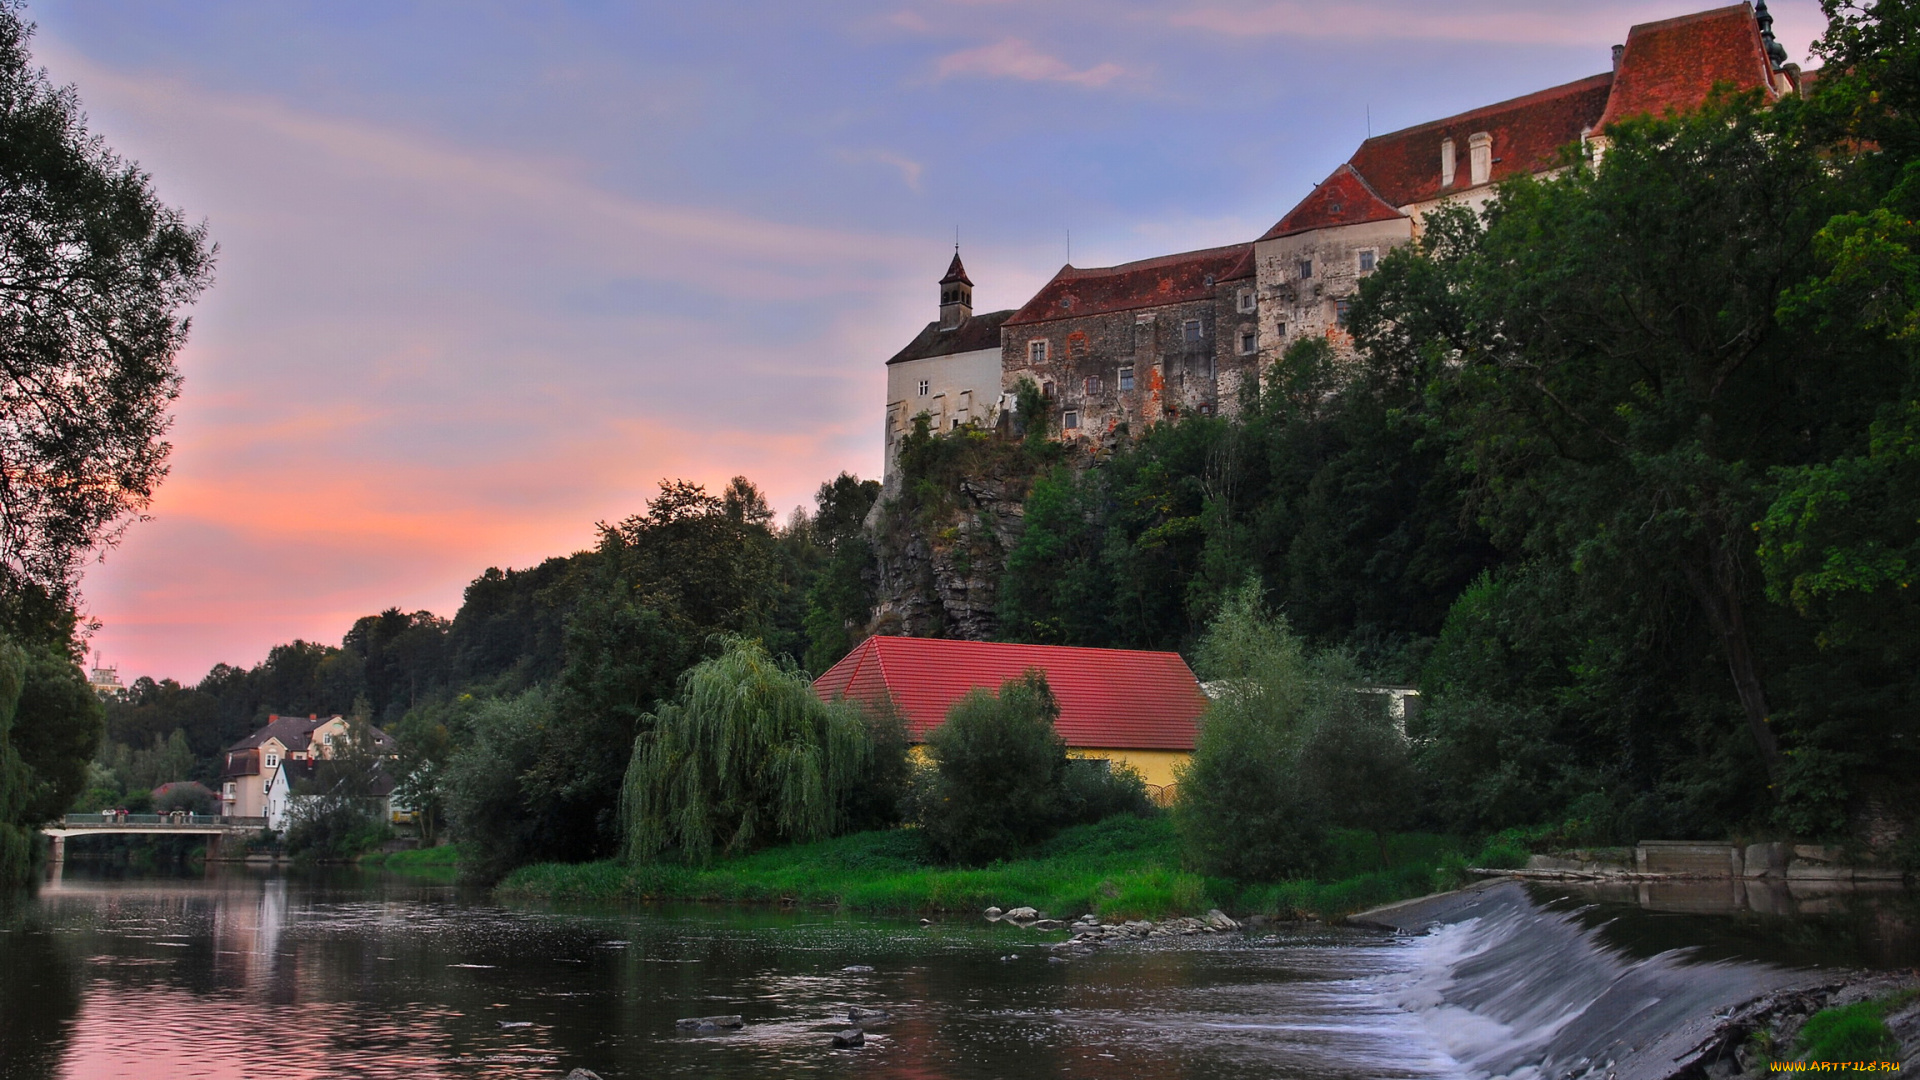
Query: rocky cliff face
{"type": "Point", "coordinates": [939, 565]}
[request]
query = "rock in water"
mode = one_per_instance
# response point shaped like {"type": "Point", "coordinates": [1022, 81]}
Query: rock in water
{"type": "Point", "coordinates": [1023, 914]}
{"type": "Point", "coordinates": [859, 1015]}
{"type": "Point", "coordinates": [858, 969]}
{"type": "Point", "coordinates": [583, 1074]}
{"type": "Point", "coordinates": [849, 1039]}
{"type": "Point", "coordinates": [992, 913]}
{"type": "Point", "coordinates": [709, 1023]}
{"type": "Point", "coordinates": [1219, 921]}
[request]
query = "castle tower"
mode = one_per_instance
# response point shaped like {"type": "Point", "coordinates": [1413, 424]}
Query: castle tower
{"type": "Point", "coordinates": [956, 294]}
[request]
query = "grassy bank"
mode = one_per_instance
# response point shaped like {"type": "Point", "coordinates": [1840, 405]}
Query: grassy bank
{"type": "Point", "coordinates": [444, 857]}
{"type": "Point", "coordinates": [1123, 867]}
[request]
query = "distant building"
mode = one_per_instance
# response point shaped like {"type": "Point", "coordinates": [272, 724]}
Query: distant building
{"type": "Point", "coordinates": [282, 798]}
{"type": "Point", "coordinates": [1117, 348]}
{"type": "Point", "coordinates": [1311, 262]}
{"type": "Point", "coordinates": [247, 776]}
{"type": "Point", "coordinates": [949, 372]}
{"type": "Point", "coordinates": [105, 680]}
{"type": "Point", "coordinates": [1142, 708]}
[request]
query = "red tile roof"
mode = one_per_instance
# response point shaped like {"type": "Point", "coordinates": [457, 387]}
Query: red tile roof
{"type": "Point", "coordinates": [1528, 132]}
{"type": "Point", "coordinates": [1672, 66]}
{"type": "Point", "coordinates": [1113, 699]}
{"type": "Point", "coordinates": [1345, 198]}
{"type": "Point", "coordinates": [1169, 279]}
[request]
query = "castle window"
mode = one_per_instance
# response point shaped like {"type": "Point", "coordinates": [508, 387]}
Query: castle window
{"type": "Point", "coordinates": [925, 385]}
{"type": "Point", "coordinates": [1280, 330]}
{"type": "Point", "coordinates": [1306, 269]}
{"type": "Point", "coordinates": [1243, 300]}
{"type": "Point", "coordinates": [1070, 419]}
{"type": "Point", "coordinates": [1190, 331]}
{"type": "Point", "coordinates": [1480, 157]}
{"type": "Point", "coordinates": [1037, 351]}
{"type": "Point", "coordinates": [1367, 258]}
{"type": "Point", "coordinates": [1341, 310]}
{"type": "Point", "coordinates": [1046, 388]}
{"type": "Point", "coordinates": [956, 423]}
{"type": "Point", "coordinates": [1446, 163]}
{"type": "Point", "coordinates": [1126, 378]}
{"type": "Point", "coordinates": [1093, 385]}
{"type": "Point", "coordinates": [1206, 408]}
{"type": "Point", "coordinates": [1249, 342]}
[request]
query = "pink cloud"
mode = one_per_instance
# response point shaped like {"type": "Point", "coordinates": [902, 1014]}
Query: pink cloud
{"type": "Point", "coordinates": [1013, 58]}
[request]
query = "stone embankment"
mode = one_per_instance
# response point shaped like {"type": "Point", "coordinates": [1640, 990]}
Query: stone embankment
{"type": "Point", "coordinates": [1668, 860]}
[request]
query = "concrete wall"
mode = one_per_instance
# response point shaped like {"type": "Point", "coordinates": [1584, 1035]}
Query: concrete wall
{"type": "Point", "coordinates": [961, 388]}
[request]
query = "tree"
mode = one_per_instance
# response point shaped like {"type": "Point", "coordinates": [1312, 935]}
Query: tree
{"type": "Point", "coordinates": [1246, 808]}
{"type": "Point", "coordinates": [997, 763]}
{"type": "Point", "coordinates": [745, 755]}
{"type": "Point", "coordinates": [94, 271]}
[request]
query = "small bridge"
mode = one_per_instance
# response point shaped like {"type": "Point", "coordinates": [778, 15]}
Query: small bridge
{"type": "Point", "coordinates": [213, 826]}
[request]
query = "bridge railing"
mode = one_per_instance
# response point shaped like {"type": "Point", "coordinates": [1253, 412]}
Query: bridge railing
{"type": "Point", "coordinates": [108, 819]}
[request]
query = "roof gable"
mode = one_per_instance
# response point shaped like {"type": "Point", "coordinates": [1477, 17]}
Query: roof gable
{"type": "Point", "coordinates": [1345, 198]}
{"type": "Point", "coordinates": [1167, 279]}
{"type": "Point", "coordinates": [1672, 65]}
{"type": "Point", "coordinates": [971, 335]}
{"type": "Point", "coordinates": [1116, 699]}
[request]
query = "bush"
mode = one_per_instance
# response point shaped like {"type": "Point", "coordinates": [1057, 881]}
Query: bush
{"type": "Point", "coordinates": [486, 800]}
{"type": "Point", "coordinates": [997, 765]}
{"type": "Point", "coordinates": [1247, 809]}
{"type": "Point", "coordinates": [320, 828]}
{"type": "Point", "coordinates": [186, 795]}
{"type": "Point", "coordinates": [1093, 789]}
{"type": "Point", "coordinates": [882, 796]}
{"type": "Point", "coordinates": [747, 755]}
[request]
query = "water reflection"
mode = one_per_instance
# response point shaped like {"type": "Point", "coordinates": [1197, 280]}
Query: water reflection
{"type": "Point", "coordinates": [257, 974]}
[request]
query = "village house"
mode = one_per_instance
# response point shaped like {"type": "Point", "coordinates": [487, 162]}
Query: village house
{"type": "Point", "coordinates": [1141, 708]}
{"type": "Point", "coordinates": [1310, 264]}
{"type": "Point", "coordinates": [1117, 348]}
{"type": "Point", "coordinates": [292, 775]}
{"type": "Point", "coordinates": [949, 372]}
{"type": "Point", "coordinates": [247, 777]}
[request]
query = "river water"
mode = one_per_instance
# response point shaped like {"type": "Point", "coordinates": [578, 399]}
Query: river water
{"type": "Point", "coordinates": [237, 973]}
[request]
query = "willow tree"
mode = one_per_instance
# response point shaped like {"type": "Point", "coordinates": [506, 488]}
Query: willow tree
{"type": "Point", "coordinates": [745, 755]}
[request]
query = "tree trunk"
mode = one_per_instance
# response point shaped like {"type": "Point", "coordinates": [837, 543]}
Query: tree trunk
{"type": "Point", "coordinates": [1718, 592]}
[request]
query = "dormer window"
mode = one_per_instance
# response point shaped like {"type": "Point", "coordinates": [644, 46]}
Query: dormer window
{"type": "Point", "coordinates": [273, 760]}
{"type": "Point", "coordinates": [1446, 163]}
{"type": "Point", "coordinates": [1480, 157]}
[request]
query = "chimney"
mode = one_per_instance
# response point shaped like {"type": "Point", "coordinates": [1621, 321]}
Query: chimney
{"type": "Point", "coordinates": [1618, 51]}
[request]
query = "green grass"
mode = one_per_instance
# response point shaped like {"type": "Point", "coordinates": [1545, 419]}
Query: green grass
{"type": "Point", "coordinates": [1124, 867]}
{"type": "Point", "coordinates": [445, 856]}
{"type": "Point", "coordinates": [1856, 1032]}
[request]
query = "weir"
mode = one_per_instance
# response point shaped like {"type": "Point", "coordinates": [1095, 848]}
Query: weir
{"type": "Point", "coordinates": [1509, 986]}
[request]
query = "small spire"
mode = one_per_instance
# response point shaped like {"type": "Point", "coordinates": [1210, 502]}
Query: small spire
{"type": "Point", "coordinates": [955, 271]}
{"type": "Point", "coordinates": [1776, 52]}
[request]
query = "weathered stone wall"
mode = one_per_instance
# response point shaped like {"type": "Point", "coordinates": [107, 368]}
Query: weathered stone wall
{"type": "Point", "coordinates": [1295, 305]}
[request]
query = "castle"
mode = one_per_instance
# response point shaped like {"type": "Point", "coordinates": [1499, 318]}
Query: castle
{"type": "Point", "coordinates": [1121, 347]}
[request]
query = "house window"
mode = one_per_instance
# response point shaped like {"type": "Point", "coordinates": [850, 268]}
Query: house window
{"type": "Point", "coordinates": [1037, 352]}
{"type": "Point", "coordinates": [1243, 301]}
{"type": "Point", "coordinates": [1206, 408]}
{"type": "Point", "coordinates": [1446, 163]}
{"type": "Point", "coordinates": [1249, 342]}
{"type": "Point", "coordinates": [925, 385]}
{"type": "Point", "coordinates": [273, 761]}
{"type": "Point", "coordinates": [1341, 309]}
{"type": "Point", "coordinates": [1126, 378]}
{"type": "Point", "coordinates": [1093, 385]}
{"type": "Point", "coordinates": [1046, 388]}
{"type": "Point", "coordinates": [1070, 419]}
{"type": "Point", "coordinates": [1280, 330]}
{"type": "Point", "coordinates": [1190, 331]}
{"type": "Point", "coordinates": [328, 739]}
{"type": "Point", "coordinates": [1306, 269]}
{"type": "Point", "coordinates": [1480, 157]}
{"type": "Point", "coordinates": [266, 787]}
{"type": "Point", "coordinates": [1367, 258]}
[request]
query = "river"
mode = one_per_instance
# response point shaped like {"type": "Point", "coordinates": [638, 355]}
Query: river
{"type": "Point", "coordinates": [245, 973]}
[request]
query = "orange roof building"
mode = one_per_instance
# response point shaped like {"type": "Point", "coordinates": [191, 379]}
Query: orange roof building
{"type": "Point", "coordinates": [1142, 708]}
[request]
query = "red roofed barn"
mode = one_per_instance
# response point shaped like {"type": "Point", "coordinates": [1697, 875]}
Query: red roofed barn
{"type": "Point", "coordinates": [1142, 708]}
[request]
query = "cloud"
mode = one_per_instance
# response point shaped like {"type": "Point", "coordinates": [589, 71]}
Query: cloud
{"type": "Point", "coordinates": [1013, 58]}
{"type": "Point", "coordinates": [910, 170]}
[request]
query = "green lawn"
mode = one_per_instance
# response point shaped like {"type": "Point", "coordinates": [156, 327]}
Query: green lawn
{"type": "Point", "coordinates": [1123, 867]}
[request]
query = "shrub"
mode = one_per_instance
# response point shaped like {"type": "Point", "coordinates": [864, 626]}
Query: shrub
{"type": "Point", "coordinates": [1094, 789]}
{"type": "Point", "coordinates": [1247, 809]}
{"type": "Point", "coordinates": [746, 755]}
{"type": "Point", "coordinates": [485, 793]}
{"type": "Point", "coordinates": [997, 764]}
{"type": "Point", "coordinates": [882, 796]}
